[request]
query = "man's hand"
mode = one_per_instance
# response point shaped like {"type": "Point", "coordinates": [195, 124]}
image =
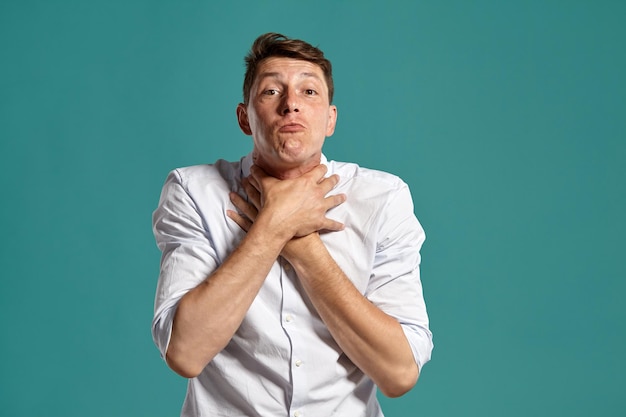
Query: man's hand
{"type": "Point", "coordinates": [296, 207]}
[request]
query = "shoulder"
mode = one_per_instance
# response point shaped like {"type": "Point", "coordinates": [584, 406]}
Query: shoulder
{"type": "Point", "coordinates": [355, 175]}
{"type": "Point", "coordinates": [201, 174]}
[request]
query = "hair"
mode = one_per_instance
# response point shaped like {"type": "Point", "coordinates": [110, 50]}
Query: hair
{"type": "Point", "coordinates": [277, 45]}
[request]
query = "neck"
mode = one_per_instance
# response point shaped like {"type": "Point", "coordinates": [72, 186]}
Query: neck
{"type": "Point", "coordinates": [286, 171]}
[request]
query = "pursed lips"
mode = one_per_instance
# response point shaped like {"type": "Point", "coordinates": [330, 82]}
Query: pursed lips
{"type": "Point", "coordinates": [291, 127]}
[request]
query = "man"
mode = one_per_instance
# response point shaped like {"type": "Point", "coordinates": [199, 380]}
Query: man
{"type": "Point", "coordinates": [289, 284]}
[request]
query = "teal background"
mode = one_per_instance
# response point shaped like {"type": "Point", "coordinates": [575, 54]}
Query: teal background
{"type": "Point", "coordinates": [507, 120]}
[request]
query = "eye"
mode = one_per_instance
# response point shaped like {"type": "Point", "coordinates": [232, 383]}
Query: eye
{"type": "Point", "coordinates": [270, 92]}
{"type": "Point", "coordinates": [310, 92]}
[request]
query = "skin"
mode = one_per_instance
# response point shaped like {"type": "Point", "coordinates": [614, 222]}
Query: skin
{"type": "Point", "coordinates": [289, 116]}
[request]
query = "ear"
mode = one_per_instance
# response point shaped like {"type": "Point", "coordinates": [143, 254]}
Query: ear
{"type": "Point", "coordinates": [332, 120]}
{"type": "Point", "coordinates": [242, 119]}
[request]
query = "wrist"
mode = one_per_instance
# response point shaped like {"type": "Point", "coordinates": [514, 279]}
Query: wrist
{"type": "Point", "coordinates": [299, 247]}
{"type": "Point", "coordinates": [270, 231]}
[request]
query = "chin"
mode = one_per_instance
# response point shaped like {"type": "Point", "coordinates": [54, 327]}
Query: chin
{"type": "Point", "coordinates": [298, 157]}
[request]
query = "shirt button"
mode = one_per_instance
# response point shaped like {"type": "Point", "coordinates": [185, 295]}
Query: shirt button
{"type": "Point", "coordinates": [297, 414]}
{"type": "Point", "coordinates": [288, 318]}
{"type": "Point", "coordinates": [298, 363]}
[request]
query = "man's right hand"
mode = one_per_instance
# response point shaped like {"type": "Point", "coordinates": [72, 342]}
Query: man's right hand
{"type": "Point", "coordinates": [291, 207]}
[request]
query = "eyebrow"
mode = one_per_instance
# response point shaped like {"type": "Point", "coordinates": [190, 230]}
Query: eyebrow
{"type": "Point", "coordinates": [278, 75]}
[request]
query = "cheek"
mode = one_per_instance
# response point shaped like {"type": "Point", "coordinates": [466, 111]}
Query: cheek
{"type": "Point", "coordinates": [256, 124]}
{"type": "Point", "coordinates": [261, 121]}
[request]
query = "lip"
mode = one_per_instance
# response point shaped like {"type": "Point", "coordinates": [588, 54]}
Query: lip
{"type": "Point", "coordinates": [291, 127]}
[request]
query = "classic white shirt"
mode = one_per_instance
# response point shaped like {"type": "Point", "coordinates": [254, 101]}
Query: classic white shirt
{"type": "Point", "coordinates": [282, 361]}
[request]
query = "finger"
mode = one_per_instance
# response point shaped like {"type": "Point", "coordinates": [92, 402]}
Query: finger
{"type": "Point", "coordinates": [318, 173]}
{"type": "Point", "coordinates": [243, 206]}
{"type": "Point", "coordinates": [330, 225]}
{"type": "Point", "coordinates": [329, 183]}
{"type": "Point", "coordinates": [260, 180]}
{"type": "Point", "coordinates": [253, 182]}
{"type": "Point", "coordinates": [334, 200]}
{"type": "Point", "coordinates": [258, 173]}
{"type": "Point", "coordinates": [254, 196]}
{"type": "Point", "coordinates": [241, 221]}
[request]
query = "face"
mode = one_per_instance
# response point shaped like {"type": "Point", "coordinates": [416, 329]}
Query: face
{"type": "Point", "coordinates": [288, 115]}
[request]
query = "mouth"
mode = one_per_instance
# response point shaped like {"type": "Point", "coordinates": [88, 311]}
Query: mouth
{"type": "Point", "coordinates": [291, 127]}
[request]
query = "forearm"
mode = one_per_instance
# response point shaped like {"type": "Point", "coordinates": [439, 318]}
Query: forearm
{"type": "Point", "coordinates": [373, 340]}
{"type": "Point", "coordinates": [208, 316]}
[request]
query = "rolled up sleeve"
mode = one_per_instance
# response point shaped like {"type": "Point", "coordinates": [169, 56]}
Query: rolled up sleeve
{"type": "Point", "coordinates": [395, 285]}
{"type": "Point", "coordinates": [187, 256]}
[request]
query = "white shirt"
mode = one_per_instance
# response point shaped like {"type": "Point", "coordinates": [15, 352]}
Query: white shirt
{"type": "Point", "coordinates": [282, 361]}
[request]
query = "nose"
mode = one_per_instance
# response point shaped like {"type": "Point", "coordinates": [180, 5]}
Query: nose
{"type": "Point", "coordinates": [290, 102]}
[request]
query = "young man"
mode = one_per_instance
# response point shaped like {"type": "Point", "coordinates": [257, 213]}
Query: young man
{"type": "Point", "coordinates": [289, 284]}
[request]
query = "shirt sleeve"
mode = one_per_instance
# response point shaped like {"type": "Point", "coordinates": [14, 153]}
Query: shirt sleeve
{"type": "Point", "coordinates": [395, 285]}
{"type": "Point", "coordinates": [187, 256]}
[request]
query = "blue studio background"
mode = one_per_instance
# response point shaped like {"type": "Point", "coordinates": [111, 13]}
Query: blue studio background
{"type": "Point", "coordinates": [507, 120]}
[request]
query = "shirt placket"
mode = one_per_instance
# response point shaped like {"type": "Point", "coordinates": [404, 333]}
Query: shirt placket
{"type": "Point", "coordinates": [292, 316]}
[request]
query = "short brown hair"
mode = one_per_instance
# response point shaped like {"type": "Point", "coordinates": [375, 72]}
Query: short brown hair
{"type": "Point", "coordinates": [277, 45]}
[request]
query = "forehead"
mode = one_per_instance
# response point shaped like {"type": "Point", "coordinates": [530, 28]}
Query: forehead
{"type": "Point", "coordinates": [282, 68]}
